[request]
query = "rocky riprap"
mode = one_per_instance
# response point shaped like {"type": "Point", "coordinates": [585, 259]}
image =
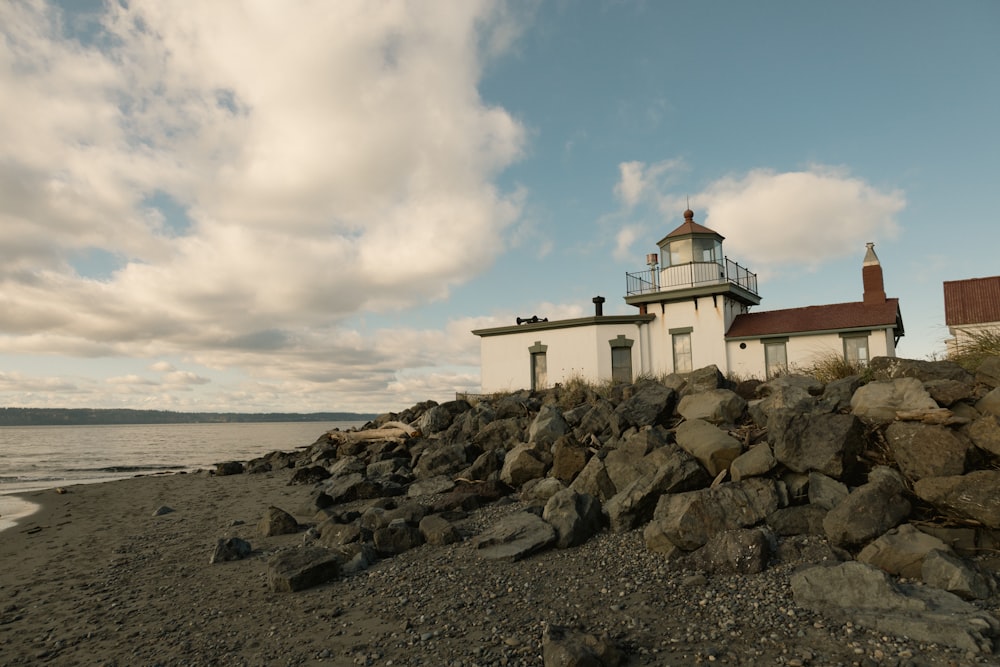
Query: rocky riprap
{"type": "Point", "coordinates": [797, 521]}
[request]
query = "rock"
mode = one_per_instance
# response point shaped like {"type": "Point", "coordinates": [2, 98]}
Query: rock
{"type": "Point", "coordinates": [599, 420]}
{"type": "Point", "coordinates": [988, 372]}
{"type": "Point", "coordinates": [355, 557]}
{"type": "Point", "coordinates": [514, 537]}
{"type": "Point", "coordinates": [867, 597]}
{"type": "Point", "coordinates": [984, 433]}
{"type": "Point", "coordinates": [231, 548]}
{"type": "Point", "coordinates": [397, 537]}
{"type": "Point", "coordinates": [431, 486]}
{"type": "Point", "coordinates": [547, 427]}
{"type": "Point", "coordinates": [574, 516]}
{"type": "Point", "coordinates": [500, 433]}
{"type": "Point", "coordinates": [879, 401]}
{"type": "Point", "coordinates": [792, 392]}
{"type": "Point", "coordinates": [688, 520]}
{"type": "Point", "coordinates": [439, 417]}
{"type": "Point", "coordinates": [668, 470]}
{"type": "Point", "coordinates": [540, 490]}
{"type": "Point", "coordinates": [302, 568]}
{"type": "Point", "coordinates": [714, 448]}
{"type": "Point", "coordinates": [837, 394]}
{"type": "Point", "coordinates": [717, 406]}
{"type": "Point", "coordinates": [333, 534]}
{"type": "Point", "coordinates": [797, 520]}
{"type": "Point", "coordinates": [827, 443]}
{"type": "Point", "coordinates": [345, 488]}
{"type": "Point", "coordinates": [741, 551]}
{"type": "Point", "coordinates": [975, 495]}
{"type": "Point", "coordinates": [651, 404]}
{"type": "Point", "coordinates": [901, 551]}
{"type": "Point", "coordinates": [950, 573]}
{"type": "Point", "coordinates": [159, 511]}
{"type": "Point", "coordinates": [990, 403]}
{"type": "Point", "coordinates": [825, 492]}
{"type": "Point", "coordinates": [309, 475]}
{"type": "Point", "coordinates": [438, 531]}
{"type": "Point", "coordinates": [948, 392]}
{"type": "Point", "coordinates": [756, 461]}
{"type": "Point", "coordinates": [594, 479]}
{"type": "Point", "coordinates": [868, 511]}
{"type": "Point", "coordinates": [277, 521]}
{"type": "Point", "coordinates": [228, 468]}
{"type": "Point", "coordinates": [923, 450]}
{"type": "Point", "coordinates": [568, 459]}
{"type": "Point", "coordinates": [486, 466]}
{"type": "Point", "coordinates": [703, 379]}
{"type": "Point", "coordinates": [443, 459]}
{"type": "Point", "coordinates": [564, 647]}
{"type": "Point", "coordinates": [888, 368]}
{"type": "Point", "coordinates": [523, 463]}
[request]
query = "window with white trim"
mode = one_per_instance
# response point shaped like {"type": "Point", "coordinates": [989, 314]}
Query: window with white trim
{"type": "Point", "coordinates": [539, 366]}
{"type": "Point", "coordinates": [775, 357]}
{"type": "Point", "coordinates": [621, 359]}
{"type": "Point", "coordinates": [856, 350]}
{"type": "Point", "coordinates": [681, 341]}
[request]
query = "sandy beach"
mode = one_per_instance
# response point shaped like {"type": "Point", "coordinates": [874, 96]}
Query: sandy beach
{"type": "Point", "coordinates": [94, 578]}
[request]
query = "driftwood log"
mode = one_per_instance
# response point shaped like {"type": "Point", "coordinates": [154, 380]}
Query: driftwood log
{"type": "Point", "coordinates": [390, 431]}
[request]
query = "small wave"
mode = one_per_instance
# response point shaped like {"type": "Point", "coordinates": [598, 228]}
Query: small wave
{"type": "Point", "coordinates": [119, 469]}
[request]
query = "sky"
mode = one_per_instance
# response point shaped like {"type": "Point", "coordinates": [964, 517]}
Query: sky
{"type": "Point", "coordinates": [303, 206]}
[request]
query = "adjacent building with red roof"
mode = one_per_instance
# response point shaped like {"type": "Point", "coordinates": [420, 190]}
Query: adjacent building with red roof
{"type": "Point", "coordinates": [971, 306]}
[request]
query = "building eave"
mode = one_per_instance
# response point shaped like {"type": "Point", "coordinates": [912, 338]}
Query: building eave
{"type": "Point", "coordinates": [565, 324]}
{"type": "Point", "coordinates": [729, 289]}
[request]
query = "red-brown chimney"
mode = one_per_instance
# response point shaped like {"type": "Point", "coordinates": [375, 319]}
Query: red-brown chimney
{"type": "Point", "coordinates": [871, 277]}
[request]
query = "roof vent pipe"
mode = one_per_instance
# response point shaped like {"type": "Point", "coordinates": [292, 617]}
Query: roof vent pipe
{"type": "Point", "coordinates": [598, 306]}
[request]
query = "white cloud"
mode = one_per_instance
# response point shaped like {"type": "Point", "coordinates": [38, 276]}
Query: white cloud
{"type": "Point", "coordinates": [802, 218]}
{"type": "Point", "coordinates": [639, 181]}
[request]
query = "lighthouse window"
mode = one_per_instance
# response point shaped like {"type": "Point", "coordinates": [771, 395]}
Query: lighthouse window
{"type": "Point", "coordinates": [775, 358]}
{"type": "Point", "coordinates": [682, 352]}
{"type": "Point", "coordinates": [539, 366]}
{"type": "Point", "coordinates": [856, 350]}
{"type": "Point", "coordinates": [621, 359]}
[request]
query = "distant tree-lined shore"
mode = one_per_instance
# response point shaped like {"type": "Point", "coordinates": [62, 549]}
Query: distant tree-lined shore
{"type": "Point", "coordinates": [88, 416]}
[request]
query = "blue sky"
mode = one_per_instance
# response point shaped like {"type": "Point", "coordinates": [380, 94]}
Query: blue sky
{"type": "Point", "coordinates": [308, 206]}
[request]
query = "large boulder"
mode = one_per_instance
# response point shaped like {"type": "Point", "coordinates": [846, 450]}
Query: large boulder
{"type": "Point", "coordinates": [547, 427]}
{"type": "Point", "coordinates": [397, 537]}
{"type": "Point", "coordinates": [714, 448]}
{"type": "Point", "coordinates": [276, 521]}
{"type": "Point", "coordinates": [984, 433]}
{"type": "Point", "coordinates": [574, 516]}
{"type": "Point", "coordinates": [756, 461]}
{"type": "Point", "coordinates": [651, 404]}
{"type": "Point", "coordinates": [889, 368]}
{"type": "Point", "coordinates": [444, 459]}
{"type": "Point", "coordinates": [740, 551]}
{"type": "Point", "coordinates": [568, 459]}
{"type": "Point", "coordinates": [718, 406]}
{"type": "Point", "coordinates": [668, 470]}
{"type": "Point", "coordinates": [975, 495]}
{"type": "Point", "coordinates": [566, 647]}
{"type": "Point", "coordinates": [868, 511]}
{"type": "Point", "coordinates": [688, 520]}
{"type": "Point", "coordinates": [866, 596]}
{"type": "Point", "coordinates": [924, 450]}
{"type": "Point", "coordinates": [792, 392]}
{"type": "Point", "coordinates": [594, 479]}
{"type": "Point", "coordinates": [439, 417]}
{"type": "Point", "coordinates": [302, 568]}
{"type": "Point", "coordinates": [948, 572]}
{"type": "Point", "coordinates": [523, 463]}
{"type": "Point", "coordinates": [514, 537]}
{"type": "Point", "coordinates": [988, 372]}
{"type": "Point", "coordinates": [990, 403]}
{"type": "Point", "coordinates": [880, 401]}
{"type": "Point", "coordinates": [827, 443]}
{"type": "Point", "coordinates": [901, 551]}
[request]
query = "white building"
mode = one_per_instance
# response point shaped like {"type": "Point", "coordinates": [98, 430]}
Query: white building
{"type": "Point", "coordinates": [693, 310]}
{"type": "Point", "coordinates": [971, 306]}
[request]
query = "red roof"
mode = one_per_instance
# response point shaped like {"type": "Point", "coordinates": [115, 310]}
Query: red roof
{"type": "Point", "coordinates": [833, 317]}
{"type": "Point", "coordinates": [973, 301]}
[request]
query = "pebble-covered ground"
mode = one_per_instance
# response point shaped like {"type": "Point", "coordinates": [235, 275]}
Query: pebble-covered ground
{"type": "Point", "coordinates": [95, 579]}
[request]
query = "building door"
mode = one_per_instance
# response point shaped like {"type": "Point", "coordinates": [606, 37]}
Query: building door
{"type": "Point", "coordinates": [621, 364]}
{"type": "Point", "coordinates": [682, 352]}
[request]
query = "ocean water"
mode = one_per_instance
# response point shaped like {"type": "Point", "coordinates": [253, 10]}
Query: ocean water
{"type": "Point", "coordinates": [44, 457]}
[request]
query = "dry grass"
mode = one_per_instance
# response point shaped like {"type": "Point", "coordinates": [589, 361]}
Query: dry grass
{"type": "Point", "coordinates": [974, 347]}
{"type": "Point", "coordinates": [833, 366]}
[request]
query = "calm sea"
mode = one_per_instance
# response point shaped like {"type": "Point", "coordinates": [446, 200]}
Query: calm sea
{"type": "Point", "coordinates": [43, 457]}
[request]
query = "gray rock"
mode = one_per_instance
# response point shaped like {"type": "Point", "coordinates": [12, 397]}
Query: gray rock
{"type": "Point", "coordinates": [742, 551]}
{"type": "Point", "coordinates": [230, 548]}
{"type": "Point", "coordinates": [887, 368]}
{"type": "Point", "coordinates": [547, 427]}
{"type": "Point", "coordinates": [500, 433]}
{"type": "Point", "coordinates": [514, 537]}
{"type": "Point", "coordinates": [594, 479]}
{"type": "Point", "coordinates": [924, 450]}
{"type": "Point", "coordinates": [439, 417]}
{"type": "Point", "coordinates": [827, 443]}
{"type": "Point", "coordinates": [521, 464]}
{"type": "Point", "coordinates": [867, 597]}
{"type": "Point", "coordinates": [668, 470]}
{"type": "Point", "coordinates": [443, 459]}
{"type": "Point", "coordinates": [703, 379]}
{"type": "Point", "coordinates": [575, 517]}
{"type": "Point", "coordinates": [988, 372]}
{"type": "Point", "coordinates": [438, 531]}
{"type": "Point", "coordinates": [651, 404]}
{"type": "Point", "coordinates": [797, 520]}
{"type": "Point", "coordinates": [756, 461]}
{"type": "Point", "coordinates": [277, 521]}
{"type": "Point", "coordinates": [880, 401]}
{"type": "Point", "coordinates": [826, 492]}
{"type": "Point", "coordinates": [975, 495]}
{"type": "Point", "coordinates": [901, 551]}
{"type": "Point", "coordinates": [309, 475]}
{"type": "Point", "coordinates": [868, 511]}
{"type": "Point", "coordinates": [984, 433]}
{"type": "Point", "coordinates": [397, 537]}
{"type": "Point", "coordinates": [948, 392]}
{"type": "Point", "coordinates": [714, 448]}
{"type": "Point", "coordinates": [486, 466]}
{"type": "Point", "coordinates": [431, 486]}
{"type": "Point", "coordinates": [599, 420]}
{"type": "Point", "coordinates": [951, 573]}
{"type": "Point", "coordinates": [302, 568]}
{"type": "Point", "coordinates": [688, 520]}
{"type": "Point", "coordinates": [792, 392]}
{"type": "Point", "coordinates": [717, 406]}
{"type": "Point", "coordinates": [568, 459]}
{"type": "Point", "coordinates": [355, 557]}
{"type": "Point", "coordinates": [162, 509]}
{"type": "Point", "coordinates": [990, 403]}
{"type": "Point", "coordinates": [565, 647]}
{"type": "Point", "coordinates": [333, 534]}
{"type": "Point", "coordinates": [228, 468]}
{"type": "Point", "coordinates": [837, 394]}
